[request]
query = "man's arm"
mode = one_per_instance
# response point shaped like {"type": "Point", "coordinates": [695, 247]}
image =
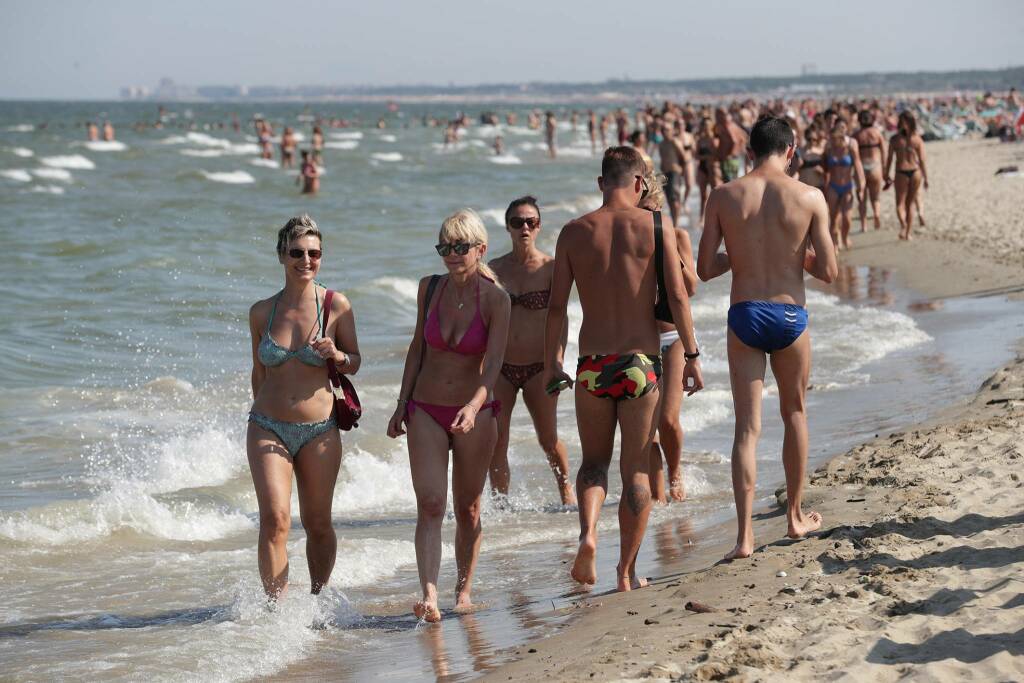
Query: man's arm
{"type": "Point", "coordinates": [820, 259]}
{"type": "Point", "coordinates": [555, 324]}
{"type": "Point", "coordinates": [710, 263]}
{"type": "Point", "coordinates": [686, 257]}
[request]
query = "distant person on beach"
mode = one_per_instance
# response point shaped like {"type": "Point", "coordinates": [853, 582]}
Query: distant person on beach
{"type": "Point", "coordinates": [608, 254]}
{"type": "Point", "coordinates": [92, 132]}
{"type": "Point", "coordinates": [309, 174]}
{"type": "Point", "coordinates": [809, 160]}
{"type": "Point", "coordinates": [709, 175]}
{"type": "Point", "coordinates": [592, 130]}
{"type": "Point", "coordinates": [108, 131]}
{"type": "Point", "coordinates": [292, 427]}
{"type": "Point", "coordinates": [287, 148]}
{"type": "Point", "coordinates": [447, 401]}
{"type": "Point", "coordinates": [263, 135]}
{"type": "Point", "coordinates": [906, 148]}
{"type": "Point", "coordinates": [774, 228]}
{"type": "Point", "coordinates": [871, 145]}
{"type": "Point", "coordinates": [317, 142]}
{"type": "Point", "coordinates": [668, 442]}
{"type": "Point", "coordinates": [526, 273]}
{"type": "Point", "coordinates": [673, 166]}
{"type": "Point", "coordinates": [731, 145]}
{"type": "Point", "coordinates": [550, 129]}
{"type": "Point", "coordinates": [844, 180]}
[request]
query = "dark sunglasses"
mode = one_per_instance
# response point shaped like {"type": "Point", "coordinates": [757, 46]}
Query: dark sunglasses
{"type": "Point", "coordinates": [460, 248]}
{"type": "Point", "coordinates": [643, 183]}
{"type": "Point", "coordinates": [517, 223]}
{"type": "Point", "coordinates": [314, 254]}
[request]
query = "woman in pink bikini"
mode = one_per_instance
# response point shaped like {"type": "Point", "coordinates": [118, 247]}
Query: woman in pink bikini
{"type": "Point", "coordinates": [527, 270]}
{"type": "Point", "coordinates": [447, 401]}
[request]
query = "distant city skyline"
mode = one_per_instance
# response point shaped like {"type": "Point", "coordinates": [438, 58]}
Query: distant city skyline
{"type": "Point", "coordinates": [93, 50]}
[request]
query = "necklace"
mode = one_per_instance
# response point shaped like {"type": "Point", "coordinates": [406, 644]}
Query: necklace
{"type": "Point", "coordinates": [458, 299]}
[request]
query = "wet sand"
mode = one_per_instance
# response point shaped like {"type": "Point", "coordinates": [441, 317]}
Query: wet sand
{"type": "Point", "coordinates": [917, 569]}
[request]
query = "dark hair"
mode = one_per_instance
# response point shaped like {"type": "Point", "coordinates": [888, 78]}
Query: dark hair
{"type": "Point", "coordinates": [908, 122]}
{"type": "Point", "coordinates": [865, 118]}
{"type": "Point", "coordinates": [620, 165]}
{"type": "Point", "coordinates": [770, 135]}
{"type": "Point", "coordinates": [527, 200]}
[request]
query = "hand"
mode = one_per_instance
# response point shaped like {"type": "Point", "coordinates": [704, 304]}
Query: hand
{"type": "Point", "coordinates": [809, 259]}
{"type": "Point", "coordinates": [926, 183]}
{"type": "Point", "coordinates": [396, 426]}
{"type": "Point", "coordinates": [888, 183]}
{"type": "Point", "coordinates": [326, 349]}
{"type": "Point", "coordinates": [556, 376]}
{"type": "Point", "coordinates": [464, 420]}
{"type": "Point", "coordinates": [692, 379]}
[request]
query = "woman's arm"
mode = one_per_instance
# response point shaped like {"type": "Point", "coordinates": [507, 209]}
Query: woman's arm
{"type": "Point", "coordinates": [891, 152]}
{"type": "Point", "coordinates": [259, 372]}
{"type": "Point", "coordinates": [497, 311]}
{"type": "Point", "coordinates": [920, 155]}
{"type": "Point", "coordinates": [686, 258]}
{"type": "Point", "coordinates": [858, 167]}
{"type": "Point", "coordinates": [348, 358]}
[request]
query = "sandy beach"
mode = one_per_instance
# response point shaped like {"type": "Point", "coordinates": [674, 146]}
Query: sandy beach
{"type": "Point", "coordinates": [917, 571]}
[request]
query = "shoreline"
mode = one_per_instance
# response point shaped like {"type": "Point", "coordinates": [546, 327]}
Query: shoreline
{"type": "Point", "coordinates": [904, 578]}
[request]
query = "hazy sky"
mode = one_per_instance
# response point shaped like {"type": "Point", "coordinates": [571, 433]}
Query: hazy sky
{"type": "Point", "coordinates": [91, 48]}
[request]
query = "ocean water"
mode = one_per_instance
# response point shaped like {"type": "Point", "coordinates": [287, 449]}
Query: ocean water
{"type": "Point", "coordinates": [127, 517]}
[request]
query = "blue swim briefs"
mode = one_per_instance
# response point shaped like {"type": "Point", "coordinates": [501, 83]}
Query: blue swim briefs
{"type": "Point", "coordinates": [767, 325]}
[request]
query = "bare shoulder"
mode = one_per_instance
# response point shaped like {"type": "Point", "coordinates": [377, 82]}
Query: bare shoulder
{"type": "Point", "coordinates": [493, 293]}
{"type": "Point", "coordinates": [808, 196]}
{"type": "Point", "coordinates": [259, 312]}
{"type": "Point", "coordinates": [340, 303]}
{"type": "Point", "coordinates": [500, 263]}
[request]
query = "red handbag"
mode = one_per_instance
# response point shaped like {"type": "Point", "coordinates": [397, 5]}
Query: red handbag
{"type": "Point", "coordinates": [347, 409]}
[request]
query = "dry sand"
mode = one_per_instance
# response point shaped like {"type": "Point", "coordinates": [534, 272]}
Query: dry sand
{"type": "Point", "coordinates": [919, 569]}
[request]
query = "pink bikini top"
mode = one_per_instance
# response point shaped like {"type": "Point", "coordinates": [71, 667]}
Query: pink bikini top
{"type": "Point", "coordinates": [473, 342]}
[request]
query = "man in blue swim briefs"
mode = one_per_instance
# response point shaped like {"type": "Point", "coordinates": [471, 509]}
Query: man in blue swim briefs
{"type": "Point", "coordinates": [608, 253]}
{"type": "Point", "coordinates": [775, 228]}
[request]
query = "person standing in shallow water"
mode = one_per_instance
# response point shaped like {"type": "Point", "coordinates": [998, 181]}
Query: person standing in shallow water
{"type": "Point", "coordinates": [526, 273]}
{"type": "Point", "coordinates": [447, 402]}
{"type": "Point", "coordinates": [292, 427]}
{"type": "Point", "coordinates": [608, 253]}
{"type": "Point", "coordinates": [775, 227]}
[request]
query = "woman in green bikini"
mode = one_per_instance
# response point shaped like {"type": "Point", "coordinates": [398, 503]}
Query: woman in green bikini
{"type": "Point", "coordinates": [291, 424]}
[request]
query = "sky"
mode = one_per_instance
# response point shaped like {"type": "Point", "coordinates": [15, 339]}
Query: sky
{"type": "Point", "coordinates": [89, 49]}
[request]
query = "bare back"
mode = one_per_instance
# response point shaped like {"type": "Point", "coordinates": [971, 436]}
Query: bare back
{"type": "Point", "coordinates": [610, 252]}
{"type": "Point", "coordinates": [766, 219]}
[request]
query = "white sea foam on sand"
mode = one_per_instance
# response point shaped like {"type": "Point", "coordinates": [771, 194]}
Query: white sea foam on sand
{"type": "Point", "coordinates": [18, 174]}
{"type": "Point", "coordinates": [229, 177]}
{"type": "Point", "coordinates": [76, 161]}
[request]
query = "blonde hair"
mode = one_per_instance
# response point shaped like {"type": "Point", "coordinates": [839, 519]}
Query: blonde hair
{"type": "Point", "coordinates": [655, 199]}
{"type": "Point", "coordinates": [297, 227]}
{"type": "Point", "coordinates": [466, 226]}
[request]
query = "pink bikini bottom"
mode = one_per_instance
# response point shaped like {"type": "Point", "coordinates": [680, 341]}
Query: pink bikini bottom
{"type": "Point", "coordinates": [445, 415]}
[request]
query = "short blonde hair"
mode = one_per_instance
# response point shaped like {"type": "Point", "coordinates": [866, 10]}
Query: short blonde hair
{"type": "Point", "coordinates": [655, 198]}
{"type": "Point", "coordinates": [299, 226]}
{"type": "Point", "coordinates": [465, 225]}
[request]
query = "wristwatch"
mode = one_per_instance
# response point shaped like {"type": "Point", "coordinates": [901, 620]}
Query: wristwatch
{"type": "Point", "coordinates": [691, 356]}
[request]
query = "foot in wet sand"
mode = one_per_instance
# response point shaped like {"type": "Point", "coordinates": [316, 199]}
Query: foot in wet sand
{"type": "Point", "coordinates": [427, 611]}
{"type": "Point", "coordinates": [568, 495]}
{"type": "Point", "coordinates": [629, 583]}
{"type": "Point", "coordinates": [800, 526]}
{"type": "Point", "coordinates": [584, 568]}
{"type": "Point", "coordinates": [740, 552]}
{"type": "Point", "coordinates": [463, 603]}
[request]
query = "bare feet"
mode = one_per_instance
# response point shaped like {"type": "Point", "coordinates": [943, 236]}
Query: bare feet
{"type": "Point", "coordinates": [676, 488]}
{"type": "Point", "coordinates": [741, 551]}
{"type": "Point", "coordinates": [800, 526]}
{"type": "Point", "coordinates": [628, 583]}
{"type": "Point", "coordinates": [584, 568]}
{"type": "Point", "coordinates": [463, 602]}
{"type": "Point", "coordinates": [567, 494]}
{"type": "Point", "coordinates": [427, 611]}
{"type": "Point", "coordinates": [878, 223]}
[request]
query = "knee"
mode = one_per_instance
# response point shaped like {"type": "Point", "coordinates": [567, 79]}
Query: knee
{"type": "Point", "coordinates": [670, 429]}
{"type": "Point", "coordinates": [747, 433]}
{"type": "Point", "coordinates": [318, 526]}
{"type": "Point", "coordinates": [593, 474]}
{"type": "Point", "coordinates": [467, 514]}
{"type": "Point", "coordinates": [548, 442]}
{"type": "Point", "coordinates": [431, 507]}
{"type": "Point", "coordinates": [792, 408]}
{"type": "Point", "coordinates": [274, 525]}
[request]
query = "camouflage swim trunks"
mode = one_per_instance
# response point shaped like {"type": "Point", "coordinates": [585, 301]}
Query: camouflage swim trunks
{"type": "Point", "coordinates": [619, 376]}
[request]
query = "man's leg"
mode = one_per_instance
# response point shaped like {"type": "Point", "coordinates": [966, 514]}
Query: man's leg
{"type": "Point", "coordinates": [792, 367]}
{"type": "Point", "coordinates": [595, 418]}
{"type": "Point", "coordinates": [746, 375]}
{"type": "Point", "coordinates": [638, 420]}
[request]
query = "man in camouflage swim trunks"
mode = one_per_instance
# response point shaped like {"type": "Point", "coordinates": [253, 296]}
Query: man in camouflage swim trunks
{"type": "Point", "coordinates": [608, 254]}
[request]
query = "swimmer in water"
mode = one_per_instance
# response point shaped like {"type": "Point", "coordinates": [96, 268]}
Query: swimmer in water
{"type": "Point", "coordinates": [92, 131]}
{"type": "Point", "coordinates": [499, 145]}
{"type": "Point", "coordinates": [526, 273]}
{"type": "Point", "coordinates": [550, 128]}
{"type": "Point", "coordinates": [108, 131]}
{"type": "Point", "coordinates": [309, 174]}
{"type": "Point", "coordinates": [592, 130]}
{"type": "Point", "coordinates": [288, 148]}
{"type": "Point", "coordinates": [318, 144]}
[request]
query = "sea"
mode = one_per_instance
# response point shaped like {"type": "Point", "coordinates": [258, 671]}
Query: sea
{"type": "Point", "coordinates": [128, 521]}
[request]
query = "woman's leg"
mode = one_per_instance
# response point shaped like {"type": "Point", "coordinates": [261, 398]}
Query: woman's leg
{"type": "Point", "coordinates": [469, 472]}
{"type": "Point", "coordinates": [271, 469]}
{"type": "Point", "coordinates": [902, 213]}
{"type": "Point", "coordinates": [874, 183]}
{"type": "Point", "coordinates": [845, 207]}
{"type": "Point", "coordinates": [500, 474]}
{"type": "Point", "coordinates": [833, 215]}
{"type": "Point", "coordinates": [428, 462]}
{"type": "Point", "coordinates": [316, 472]}
{"type": "Point", "coordinates": [670, 430]}
{"type": "Point", "coordinates": [914, 199]}
{"type": "Point", "coordinates": [543, 410]}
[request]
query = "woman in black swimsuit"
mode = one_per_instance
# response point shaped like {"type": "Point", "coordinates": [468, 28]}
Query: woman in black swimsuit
{"type": "Point", "coordinates": [526, 273]}
{"type": "Point", "coordinates": [708, 171]}
{"type": "Point", "coordinates": [810, 159]}
{"type": "Point", "coordinates": [907, 148]}
{"type": "Point", "coordinates": [871, 144]}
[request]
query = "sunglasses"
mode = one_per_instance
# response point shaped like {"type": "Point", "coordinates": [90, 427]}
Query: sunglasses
{"type": "Point", "coordinates": [517, 223]}
{"type": "Point", "coordinates": [314, 254]}
{"type": "Point", "coordinates": [460, 248]}
{"type": "Point", "coordinates": [643, 183]}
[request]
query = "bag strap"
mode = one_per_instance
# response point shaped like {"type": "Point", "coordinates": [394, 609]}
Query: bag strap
{"type": "Point", "coordinates": [659, 257]}
{"type": "Point", "coordinates": [332, 368]}
{"type": "Point", "coordinates": [431, 286]}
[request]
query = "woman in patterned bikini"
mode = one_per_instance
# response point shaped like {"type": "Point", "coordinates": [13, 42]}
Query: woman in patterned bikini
{"type": "Point", "coordinates": [527, 270]}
